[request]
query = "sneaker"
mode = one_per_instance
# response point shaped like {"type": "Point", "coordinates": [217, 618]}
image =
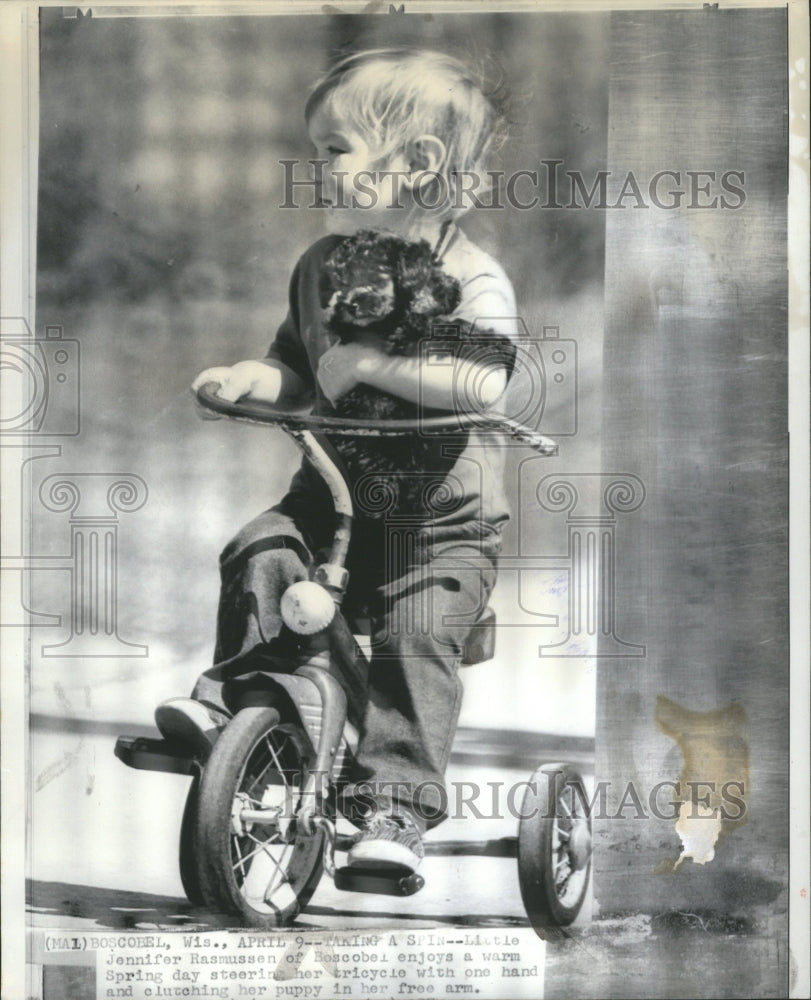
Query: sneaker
{"type": "Point", "coordinates": [191, 723]}
{"type": "Point", "coordinates": [388, 842]}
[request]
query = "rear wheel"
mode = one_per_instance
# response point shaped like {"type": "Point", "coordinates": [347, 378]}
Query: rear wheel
{"type": "Point", "coordinates": [554, 847]}
{"type": "Point", "coordinates": [252, 859]}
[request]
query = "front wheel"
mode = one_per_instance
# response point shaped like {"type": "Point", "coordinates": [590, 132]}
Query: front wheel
{"type": "Point", "coordinates": [252, 860]}
{"type": "Point", "coordinates": [554, 847]}
{"type": "Point", "coordinates": [187, 848]}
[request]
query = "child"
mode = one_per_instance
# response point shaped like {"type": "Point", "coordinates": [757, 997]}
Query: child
{"type": "Point", "coordinates": [399, 130]}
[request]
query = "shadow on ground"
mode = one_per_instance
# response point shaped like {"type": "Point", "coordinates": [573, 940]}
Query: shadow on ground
{"type": "Point", "coordinates": [118, 909]}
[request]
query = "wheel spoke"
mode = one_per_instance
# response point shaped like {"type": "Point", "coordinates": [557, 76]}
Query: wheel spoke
{"type": "Point", "coordinates": [263, 846]}
{"type": "Point", "coordinates": [274, 760]}
{"type": "Point", "coordinates": [240, 860]}
{"type": "Point", "coordinates": [287, 850]}
{"type": "Point", "coordinates": [258, 885]}
{"type": "Point", "coordinates": [261, 863]}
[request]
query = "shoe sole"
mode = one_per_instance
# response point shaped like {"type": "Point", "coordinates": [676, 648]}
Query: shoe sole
{"type": "Point", "coordinates": [383, 854]}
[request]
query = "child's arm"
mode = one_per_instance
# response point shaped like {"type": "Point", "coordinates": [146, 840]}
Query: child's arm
{"type": "Point", "coordinates": [464, 386]}
{"type": "Point", "coordinates": [282, 376]}
{"type": "Point", "coordinates": [268, 381]}
{"type": "Point", "coordinates": [461, 387]}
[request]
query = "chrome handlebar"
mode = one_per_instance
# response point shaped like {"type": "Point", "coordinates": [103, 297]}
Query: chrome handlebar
{"type": "Point", "coordinates": [253, 412]}
{"type": "Point", "coordinates": [308, 430]}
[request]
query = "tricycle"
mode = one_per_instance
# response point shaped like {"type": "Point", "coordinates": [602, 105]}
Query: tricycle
{"type": "Point", "coordinates": [259, 825]}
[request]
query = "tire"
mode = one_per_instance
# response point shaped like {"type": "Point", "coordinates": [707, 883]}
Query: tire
{"type": "Point", "coordinates": [187, 849]}
{"type": "Point", "coordinates": [554, 847]}
{"type": "Point", "coordinates": [264, 873]}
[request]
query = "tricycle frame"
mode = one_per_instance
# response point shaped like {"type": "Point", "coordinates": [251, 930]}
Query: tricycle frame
{"type": "Point", "coordinates": [330, 670]}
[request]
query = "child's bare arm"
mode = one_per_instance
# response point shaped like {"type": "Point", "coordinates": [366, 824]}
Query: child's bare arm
{"type": "Point", "coordinates": [462, 386]}
{"type": "Point", "coordinates": [267, 380]}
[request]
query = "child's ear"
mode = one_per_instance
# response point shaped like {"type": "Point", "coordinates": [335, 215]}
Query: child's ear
{"type": "Point", "coordinates": [425, 153]}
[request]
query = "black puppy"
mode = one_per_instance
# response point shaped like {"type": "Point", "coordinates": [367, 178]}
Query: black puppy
{"type": "Point", "coordinates": [396, 291]}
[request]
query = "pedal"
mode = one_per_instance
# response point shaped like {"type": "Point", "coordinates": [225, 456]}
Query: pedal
{"type": "Point", "coordinates": [145, 754]}
{"type": "Point", "coordinates": [381, 882]}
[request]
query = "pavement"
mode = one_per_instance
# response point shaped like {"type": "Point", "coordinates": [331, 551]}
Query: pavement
{"type": "Point", "coordinates": [111, 860]}
{"type": "Point", "coordinates": [104, 838]}
{"type": "Point", "coordinates": [104, 857]}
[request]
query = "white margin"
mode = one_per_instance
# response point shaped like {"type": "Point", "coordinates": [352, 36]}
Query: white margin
{"type": "Point", "coordinates": [19, 144]}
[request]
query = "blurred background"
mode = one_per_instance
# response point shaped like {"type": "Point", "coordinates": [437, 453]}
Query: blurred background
{"type": "Point", "coordinates": [162, 250]}
{"type": "Point", "coordinates": [161, 139]}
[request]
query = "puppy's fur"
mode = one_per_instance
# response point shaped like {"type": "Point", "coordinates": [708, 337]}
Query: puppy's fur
{"type": "Point", "coordinates": [382, 289]}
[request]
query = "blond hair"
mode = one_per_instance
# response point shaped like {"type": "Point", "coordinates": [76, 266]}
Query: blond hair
{"type": "Point", "coordinates": [393, 95]}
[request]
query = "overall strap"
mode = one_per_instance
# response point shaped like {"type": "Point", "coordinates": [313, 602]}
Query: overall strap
{"type": "Point", "coordinates": [447, 235]}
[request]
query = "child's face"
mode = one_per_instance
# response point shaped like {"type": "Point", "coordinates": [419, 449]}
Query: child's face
{"type": "Point", "coordinates": [353, 191]}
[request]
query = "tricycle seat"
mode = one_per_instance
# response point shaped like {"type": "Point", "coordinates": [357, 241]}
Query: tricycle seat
{"type": "Point", "coordinates": [481, 642]}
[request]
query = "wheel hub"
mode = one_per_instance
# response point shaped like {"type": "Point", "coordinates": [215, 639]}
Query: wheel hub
{"type": "Point", "coordinates": [579, 846]}
{"type": "Point", "coordinates": [240, 802]}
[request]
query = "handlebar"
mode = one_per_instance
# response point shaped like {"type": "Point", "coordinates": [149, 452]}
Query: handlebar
{"type": "Point", "coordinates": [250, 411]}
{"type": "Point", "coordinates": [308, 430]}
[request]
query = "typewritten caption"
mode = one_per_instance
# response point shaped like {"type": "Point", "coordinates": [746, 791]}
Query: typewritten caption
{"type": "Point", "coordinates": [319, 965]}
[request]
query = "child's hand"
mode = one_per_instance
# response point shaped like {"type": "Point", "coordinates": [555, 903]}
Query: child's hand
{"type": "Point", "coordinates": [343, 366]}
{"type": "Point", "coordinates": [246, 378]}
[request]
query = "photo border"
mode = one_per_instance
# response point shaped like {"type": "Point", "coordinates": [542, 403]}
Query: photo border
{"type": "Point", "coordinates": [19, 86]}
